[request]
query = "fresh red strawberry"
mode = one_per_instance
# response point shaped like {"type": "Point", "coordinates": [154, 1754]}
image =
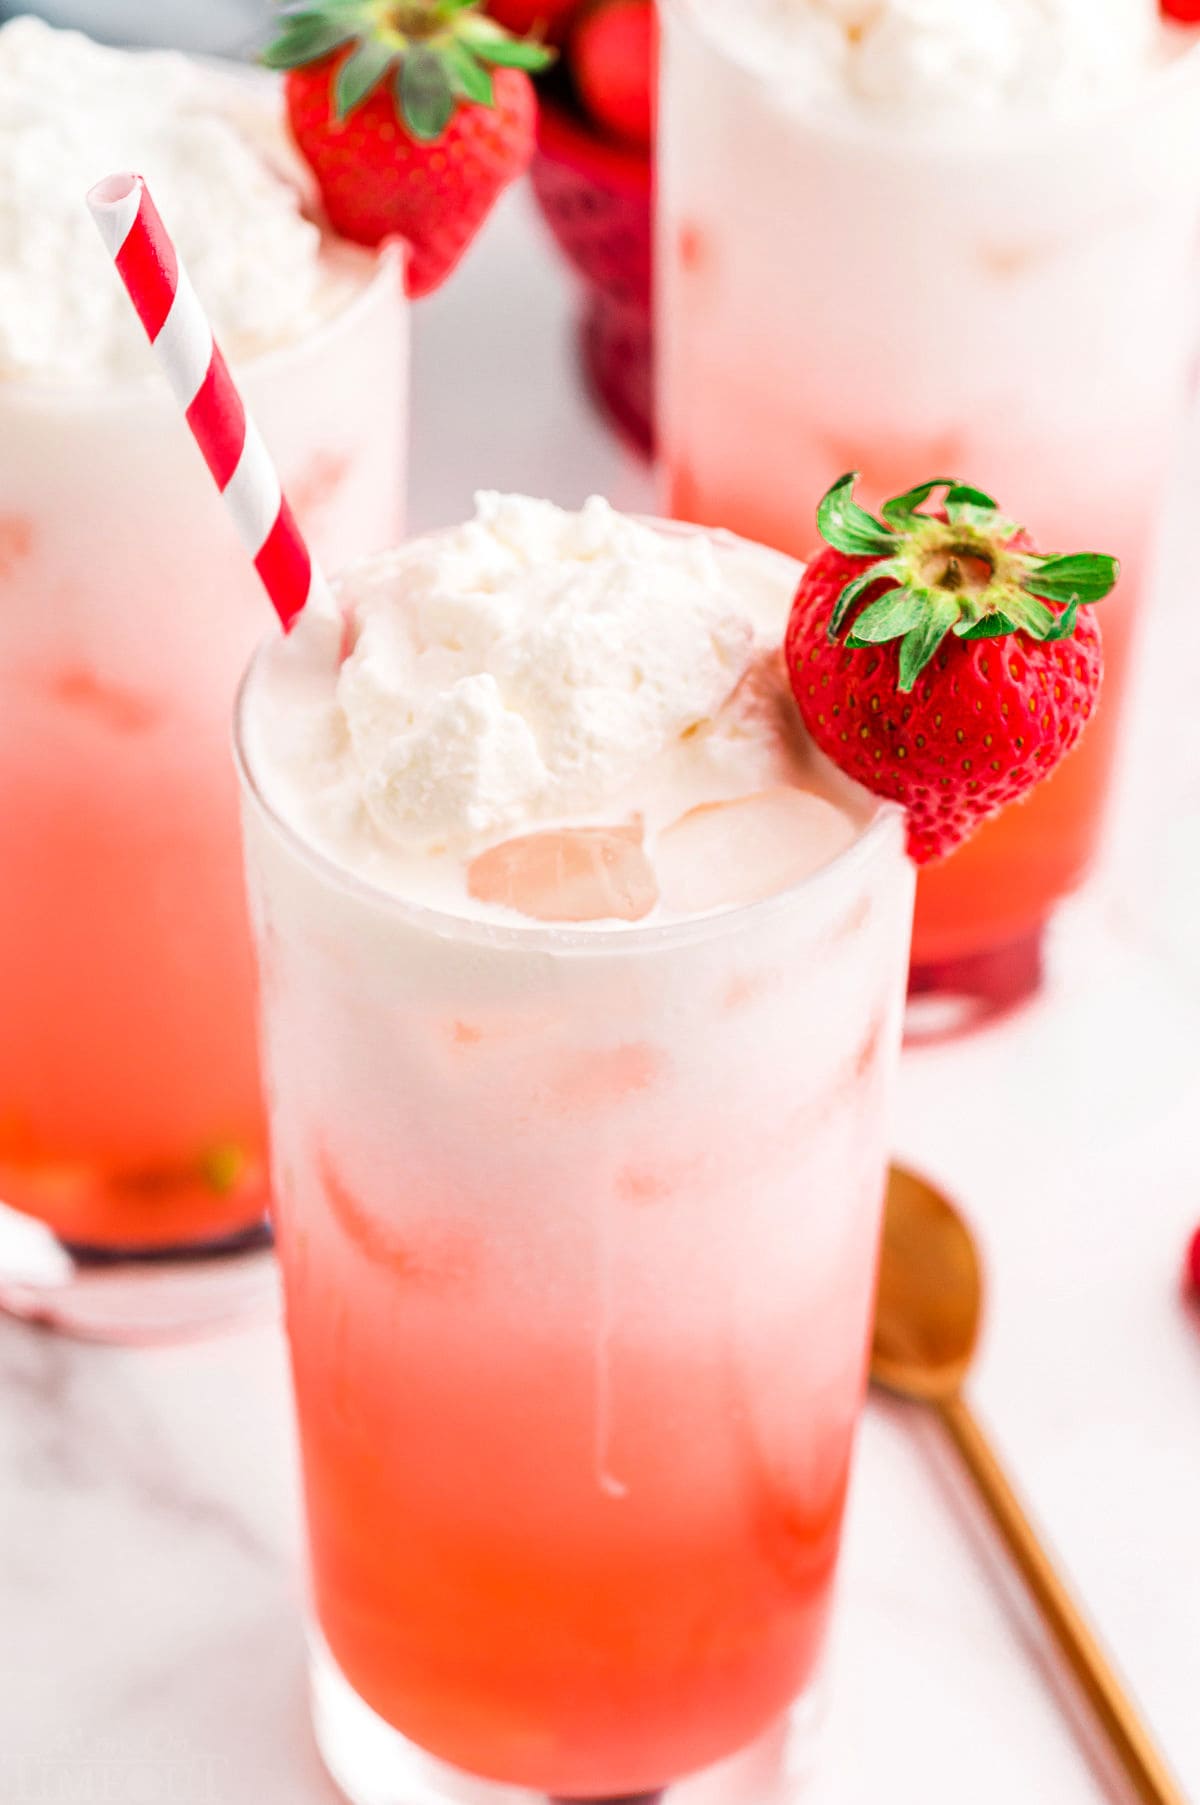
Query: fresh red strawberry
{"type": "Point", "coordinates": [538, 18]}
{"type": "Point", "coordinates": [414, 117]}
{"type": "Point", "coordinates": [968, 670]}
{"type": "Point", "coordinates": [613, 53]}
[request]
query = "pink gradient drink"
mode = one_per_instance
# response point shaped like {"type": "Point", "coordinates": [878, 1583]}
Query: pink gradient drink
{"type": "Point", "coordinates": [130, 1112]}
{"type": "Point", "coordinates": [914, 294]}
{"type": "Point", "coordinates": [578, 1228]}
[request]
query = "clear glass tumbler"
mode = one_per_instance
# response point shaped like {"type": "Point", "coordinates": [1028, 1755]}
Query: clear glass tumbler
{"type": "Point", "coordinates": [132, 1141]}
{"type": "Point", "coordinates": [578, 1231]}
{"type": "Point", "coordinates": [1015, 305]}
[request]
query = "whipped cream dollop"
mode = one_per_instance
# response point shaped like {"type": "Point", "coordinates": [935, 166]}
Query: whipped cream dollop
{"type": "Point", "coordinates": [214, 152]}
{"type": "Point", "coordinates": [926, 59]}
{"type": "Point", "coordinates": [533, 666]}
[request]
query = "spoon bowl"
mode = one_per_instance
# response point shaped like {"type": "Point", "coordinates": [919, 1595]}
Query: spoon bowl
{"type": "Point", "coordinates": [930, 1302]}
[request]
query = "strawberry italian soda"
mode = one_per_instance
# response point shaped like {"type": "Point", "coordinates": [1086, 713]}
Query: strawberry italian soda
{"type": "Point", "coordinates": [131, 1126]}
{"type": "Point", "coordinates": [582, 981]}
{"type": "Point", "coordinates": [898, 235]}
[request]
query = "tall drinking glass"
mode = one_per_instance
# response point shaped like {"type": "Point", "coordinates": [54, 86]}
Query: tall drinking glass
{"type": "Point", "coordinates": [131, 1127]}
{"type": "Point", "coordinates": [578, 1231]}
{"type": "Point", "coordinates": [1018, 305]}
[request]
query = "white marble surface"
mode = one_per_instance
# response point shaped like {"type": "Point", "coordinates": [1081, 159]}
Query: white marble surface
{"type": "Point", "coordinates": [150, 1649]}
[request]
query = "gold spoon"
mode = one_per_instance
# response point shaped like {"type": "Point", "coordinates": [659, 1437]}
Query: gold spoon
{"type": "Point", "coordinates": [926, 1327]}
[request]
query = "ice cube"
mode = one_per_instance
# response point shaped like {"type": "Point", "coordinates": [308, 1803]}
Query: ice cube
{"type": "Point", "coordinates": [568, 874]}
{"type": "Point", "coordinates": [725, 854]}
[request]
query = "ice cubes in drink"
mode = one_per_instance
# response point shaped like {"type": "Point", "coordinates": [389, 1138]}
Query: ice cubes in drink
{"type": "Point", "coordinates": [725, 854]}
{"type": "Point", "coordinates": [572, 874]}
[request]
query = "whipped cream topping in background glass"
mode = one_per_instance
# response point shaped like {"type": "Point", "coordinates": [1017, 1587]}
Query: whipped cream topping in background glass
{"type": "Point", "coordinates": [214, 151]}
{"type": "Point", "coordinates": [924, 60]}
{"type": "Point", "coordinates": [533, 668]}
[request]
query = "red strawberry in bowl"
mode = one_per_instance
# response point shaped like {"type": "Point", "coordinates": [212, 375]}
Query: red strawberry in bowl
{"type": "Point", "coordinates": [414, 117]}
{"type": "Point", "coordinates": [537, 18]}
{"type": "Point", "coordinates": [937, 658]}
{"type": "Point", "coordinates": [595, 196]}
{"type": "Point", "coordinates": [592, 177]}
{"type": "Point", "coordinates": [613, 54]}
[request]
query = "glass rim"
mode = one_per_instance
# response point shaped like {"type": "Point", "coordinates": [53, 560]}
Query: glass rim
{"type": "Point", "coordinates": [387, 267]}
{"type": "Point", "coordinates": [999, 136]}
{"type": "Point", "coordinates": [884, 827]}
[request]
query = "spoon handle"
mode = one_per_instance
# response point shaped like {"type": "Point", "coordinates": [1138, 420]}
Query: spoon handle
{"type": "Point", "coordinates": [1118, 1715]}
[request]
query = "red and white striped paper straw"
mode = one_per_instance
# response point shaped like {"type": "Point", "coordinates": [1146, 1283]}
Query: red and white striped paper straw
{"type": "Point", "coordinates": [178, 328]}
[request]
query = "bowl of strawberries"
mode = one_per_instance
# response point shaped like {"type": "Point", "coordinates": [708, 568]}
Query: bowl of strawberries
{"type": "Point", "coordinates": [592, 177]}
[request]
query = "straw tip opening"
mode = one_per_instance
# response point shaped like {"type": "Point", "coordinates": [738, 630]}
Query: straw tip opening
{"type": "Point", "coordinates": [113, 191]}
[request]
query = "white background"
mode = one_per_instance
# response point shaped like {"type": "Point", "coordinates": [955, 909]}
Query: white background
{"type": "Point", "coordinates": [150, 1648]}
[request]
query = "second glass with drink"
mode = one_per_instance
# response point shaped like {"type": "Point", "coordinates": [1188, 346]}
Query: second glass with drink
{"type": "Point", "coordinates": [915, 244]}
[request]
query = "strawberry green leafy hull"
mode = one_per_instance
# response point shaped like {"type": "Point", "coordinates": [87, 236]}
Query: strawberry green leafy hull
{"type": "Point", "coordinates": [938, 659]}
